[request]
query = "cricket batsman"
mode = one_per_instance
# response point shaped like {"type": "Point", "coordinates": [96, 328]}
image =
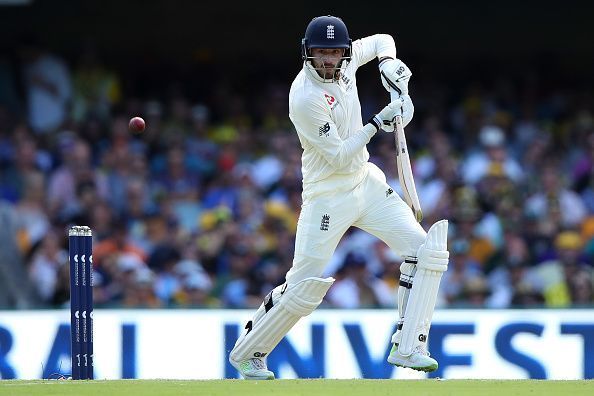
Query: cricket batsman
{"type": "Point", "coordinates": [342, 189]}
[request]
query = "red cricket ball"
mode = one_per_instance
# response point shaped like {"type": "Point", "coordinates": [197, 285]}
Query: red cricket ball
{"type": "Point", "coordinates": [136, 124]}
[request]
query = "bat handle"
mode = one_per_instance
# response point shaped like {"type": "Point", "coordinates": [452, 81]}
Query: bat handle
{"type": "Point", "coordinates": [394, 96]}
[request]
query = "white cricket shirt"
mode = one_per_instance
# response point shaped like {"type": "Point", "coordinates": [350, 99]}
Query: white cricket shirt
{"type": "Point", "coordinates": [327, 116]}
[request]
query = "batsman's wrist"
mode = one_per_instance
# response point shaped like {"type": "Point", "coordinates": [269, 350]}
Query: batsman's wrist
{"type": "Point", "coordinates": [382, 60]}
{"type": "Point", "coordinates": [376, 122]}
{"type": "Point", "coordinates": [369, 129]}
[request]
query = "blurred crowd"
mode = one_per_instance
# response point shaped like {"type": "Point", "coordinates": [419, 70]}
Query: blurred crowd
{"type": "Point", "coordinates": [200, 210]}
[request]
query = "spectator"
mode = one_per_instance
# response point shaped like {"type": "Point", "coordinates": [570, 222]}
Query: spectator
{"type": "Point", "coordinates": [96, 89]}
{"type": "Point", "coordinates": [564, 272]}
{"type": "Point", "coordinates": [76, 172]}
{"type": "Point", "coordinates": [357, 288]}
{"type": "Point", "coordinates": [176, 180]}
{"type": "Point", "coordinates": [31, 212]}
{"type": "Point", "coordinates": [511, 277]}
{"type": "Point", "coordinates": [462, 269]}
{"type": "Point", "coordinates": [117, 243]}
{"type": "Point", "coordinates": [48, 86]}
{"type": "Point", "coordinates": [466, 221]}
{"type": "Point", "coordinates": [140, 293]}
{"type": "Point", "coordinates": [493, 154]}
{"type": "Point", "coordinates": [554, 205]}
{"type": "Point", "coordinates": [46, 265]}
{"type": "Point", "coordinates": [475, 293]}
{"type": "Point", "coordinates": [195, 292]}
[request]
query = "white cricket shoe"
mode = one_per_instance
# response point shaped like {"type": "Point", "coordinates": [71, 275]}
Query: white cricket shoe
{"type": "Point", "coordinates": [253, 369]}
{"type": "Point", "coordinates": [419, 360]}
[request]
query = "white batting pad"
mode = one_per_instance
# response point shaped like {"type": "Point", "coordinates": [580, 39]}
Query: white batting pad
{"type": "Point", "coordinates": [432, 263]}
{"type": "Point", "coordinates": [279, 312]}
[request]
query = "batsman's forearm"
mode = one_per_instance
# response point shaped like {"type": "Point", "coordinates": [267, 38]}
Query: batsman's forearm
{"type": "Point", "coordinates": [351, 146]}
{"type": "Point", "coordinates": [385, 46]}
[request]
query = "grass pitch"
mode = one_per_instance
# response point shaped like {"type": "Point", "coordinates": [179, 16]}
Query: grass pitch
{"type": "Point", "coordinates": [297, 387]}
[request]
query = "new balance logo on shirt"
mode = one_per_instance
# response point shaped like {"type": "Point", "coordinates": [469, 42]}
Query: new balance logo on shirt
{"type": "Point", "coordinates": [324, 129]}
{"type": "Point", "coordinates": [325, 222]}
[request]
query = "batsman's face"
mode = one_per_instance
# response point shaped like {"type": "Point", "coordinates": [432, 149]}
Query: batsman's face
{"type": "Point", "coordinates": [326, 60]}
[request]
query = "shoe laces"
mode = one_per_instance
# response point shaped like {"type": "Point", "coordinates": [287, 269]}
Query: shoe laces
{"type": "Point", "coordinates": [421, 349]}
{"type": "Point", "coordinates": [258, 364]}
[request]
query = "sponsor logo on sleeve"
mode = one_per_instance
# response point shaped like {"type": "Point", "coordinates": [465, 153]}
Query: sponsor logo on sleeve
{"type": "Point", "coordinates": [345, 79]}
{"type": "Point", "coordinates": [325, 224]}
{"type": "Point", "coordinates": [325, 129]}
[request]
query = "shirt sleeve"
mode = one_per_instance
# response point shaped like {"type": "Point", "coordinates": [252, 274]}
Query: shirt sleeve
{"type": "Point", "coordinates": [376, 46]}
{"type": "Point", "coordinates": [312, 121]}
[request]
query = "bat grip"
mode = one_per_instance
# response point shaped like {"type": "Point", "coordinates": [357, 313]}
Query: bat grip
{"type": "Point", "coordinates": [394, 96]}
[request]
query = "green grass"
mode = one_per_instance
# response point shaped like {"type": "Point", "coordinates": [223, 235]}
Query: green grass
{"type": "Point", "coordinates": [297, 387]}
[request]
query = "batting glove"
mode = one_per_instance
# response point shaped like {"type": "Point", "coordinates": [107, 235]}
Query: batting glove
{"type": "Point", "coordinates": [385, 118]}
{"type": "Point", "coordinates": [395, 75]}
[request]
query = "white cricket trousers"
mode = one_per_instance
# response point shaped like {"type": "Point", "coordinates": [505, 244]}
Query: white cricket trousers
{"type": "Point", "coordinates": [364, 200]}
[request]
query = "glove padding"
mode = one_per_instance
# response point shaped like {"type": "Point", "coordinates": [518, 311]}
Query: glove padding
{"type": "Point", "coordinates": [386, 119]}
{"type": "Point", "coordinates": [395, 76]}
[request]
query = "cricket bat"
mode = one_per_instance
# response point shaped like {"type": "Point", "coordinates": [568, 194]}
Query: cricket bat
{"type": "Point", "coordinates": [405, 175]}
